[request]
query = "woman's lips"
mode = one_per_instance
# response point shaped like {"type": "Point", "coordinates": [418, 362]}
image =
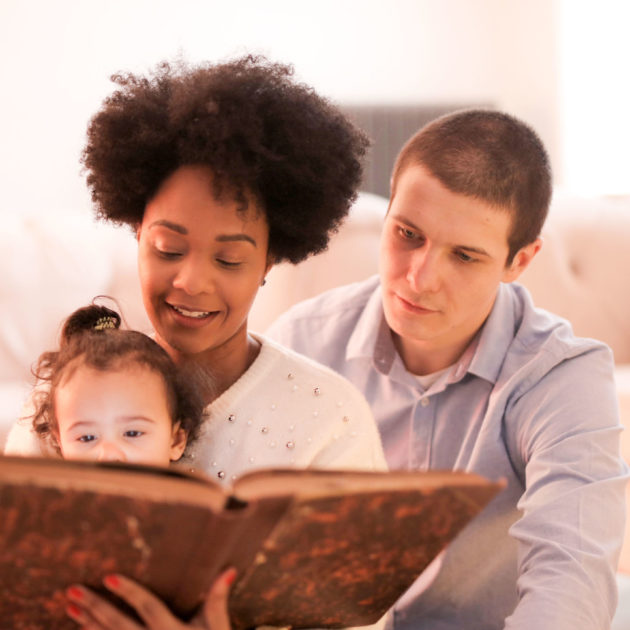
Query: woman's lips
{"type": "Point", "coordinates": [190, 317]}
{"type": "Point", "coordinates": [189, 312]}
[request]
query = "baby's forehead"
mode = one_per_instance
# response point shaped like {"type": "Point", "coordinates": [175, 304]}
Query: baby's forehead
{"type": "Point", "coordinates": [130, 365]}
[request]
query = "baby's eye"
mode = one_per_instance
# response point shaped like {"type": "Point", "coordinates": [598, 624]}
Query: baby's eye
{"type": "Point", "coordinates": [86, 438]}
{"type": "Point", "coordinates": [132, 433]}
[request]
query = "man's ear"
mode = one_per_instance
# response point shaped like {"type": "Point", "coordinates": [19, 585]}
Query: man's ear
{"type": "Point", "coordinates": [179, 437]}
{"type": "Point", "coordinates": [521, 260]}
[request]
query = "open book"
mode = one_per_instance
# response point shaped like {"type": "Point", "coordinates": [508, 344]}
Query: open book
{"type": "Point", "coordinates": [312, 548]}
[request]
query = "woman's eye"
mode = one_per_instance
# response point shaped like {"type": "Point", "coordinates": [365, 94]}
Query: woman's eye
{"type": "Point", "coordinates": [86, 438]}
{"type": "Point", "coordinates": [168, 255]}
{"type": "Point", "coordinates": [133, 433]}
{"type": "Point", "coordinates": [228, 263]}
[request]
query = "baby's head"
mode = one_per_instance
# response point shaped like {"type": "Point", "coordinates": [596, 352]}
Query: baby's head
{"type": "Point", "coordinates": [114, 395]}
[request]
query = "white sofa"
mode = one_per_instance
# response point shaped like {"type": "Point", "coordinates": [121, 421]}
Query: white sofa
{"type": "Point", "coordinates": [50, 265]}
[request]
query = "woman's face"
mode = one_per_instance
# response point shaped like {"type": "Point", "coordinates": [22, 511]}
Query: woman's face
{"type": "Point", "coordinates": [200, 263]}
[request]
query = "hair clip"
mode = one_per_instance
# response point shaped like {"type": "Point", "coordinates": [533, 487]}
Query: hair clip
{"type": "Point", "coordinates": [103, 323]}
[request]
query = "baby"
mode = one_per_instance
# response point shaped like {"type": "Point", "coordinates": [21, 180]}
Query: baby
{"type": "Point", "coordinates": [113, 395]}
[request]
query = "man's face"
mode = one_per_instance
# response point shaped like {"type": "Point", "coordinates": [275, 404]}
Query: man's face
{"type": "Point", "coordinates": [442, 258]}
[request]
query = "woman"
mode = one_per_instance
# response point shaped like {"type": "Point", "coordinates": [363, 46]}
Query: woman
{"type": "Point", "coordinates": [223, 171]}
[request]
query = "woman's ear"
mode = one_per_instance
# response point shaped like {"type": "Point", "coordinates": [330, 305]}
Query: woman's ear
{"type": "Point", "coordinates": [179, 438]}
{"type": "Point", "coordinates": [271, 261]}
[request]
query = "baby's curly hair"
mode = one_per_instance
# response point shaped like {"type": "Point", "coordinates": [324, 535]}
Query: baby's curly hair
{"type": "Point", "coordinates": [263, 136]}
{"type": "Point", "coordinates": [91, 337]}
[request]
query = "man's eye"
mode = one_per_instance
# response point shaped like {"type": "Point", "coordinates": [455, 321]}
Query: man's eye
{"type": "Point", "coordinates": [133, 433]}
{"type": "Point", "coordinates": [408, 234]}
{"type": "Point", "coordinates": [86, 438]}
{"type": "Point", "coordinates": [464, 257]}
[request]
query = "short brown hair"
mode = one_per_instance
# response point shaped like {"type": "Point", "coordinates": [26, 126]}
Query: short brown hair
{"type": "Point", "coordinates": [490, 156]}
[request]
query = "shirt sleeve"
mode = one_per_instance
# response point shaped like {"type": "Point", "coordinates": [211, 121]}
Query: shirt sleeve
{"type": "Point", "coordinates": [565, 432]}
{"type": "Point", "coordinates": [291, 331]}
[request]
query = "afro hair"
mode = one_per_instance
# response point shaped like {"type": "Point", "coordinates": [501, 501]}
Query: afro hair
{"type": "Point", "coordinates": [263, 135]}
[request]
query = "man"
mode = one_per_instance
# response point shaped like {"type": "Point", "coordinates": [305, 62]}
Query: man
{"type": "Point", "coordinates": [462, 372]}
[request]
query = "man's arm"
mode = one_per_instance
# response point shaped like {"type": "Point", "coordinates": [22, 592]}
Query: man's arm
{"type": "Point", "coordinates": [565, 433]}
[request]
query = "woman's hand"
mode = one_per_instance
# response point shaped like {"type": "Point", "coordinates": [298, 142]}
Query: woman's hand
{"type": "Point", "coordinates": [94, 613]}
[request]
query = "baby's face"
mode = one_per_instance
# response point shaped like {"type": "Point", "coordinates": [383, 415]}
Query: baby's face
{"type": "Point", "coordinates": [117, 415]}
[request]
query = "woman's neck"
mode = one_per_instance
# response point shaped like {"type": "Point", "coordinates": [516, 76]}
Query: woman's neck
{"type": "Point", "coordinates": [222, 366]}
{"type": "Point", "coordinates": [230, 367]}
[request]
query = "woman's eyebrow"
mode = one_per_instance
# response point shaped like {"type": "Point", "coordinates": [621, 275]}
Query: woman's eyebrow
{"type": "Point", "coordinates": [176, 227]}
{"type": "Point", "coordinates": [225, 238]}
{"type": "Point", "coordinates": [222, 238]}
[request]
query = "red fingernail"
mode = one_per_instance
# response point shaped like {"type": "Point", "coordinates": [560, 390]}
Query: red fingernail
{"type": "Point", "coordinates": [75, 592]}
{"type": "Point", "coordinates": [73, 611]}
{"type": "Point", "coordinates": [111, 581]}
{"type": "Point", "coordinates": [231, 577]}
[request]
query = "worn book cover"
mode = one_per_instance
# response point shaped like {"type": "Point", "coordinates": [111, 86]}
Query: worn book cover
{"type": "Point", "coordinates": [312, 548]}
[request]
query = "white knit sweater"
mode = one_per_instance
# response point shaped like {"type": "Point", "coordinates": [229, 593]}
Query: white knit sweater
{"type": "Point", "coordinates": [287, 411]}
{"type": "Point", "coordinates": [284, 411]}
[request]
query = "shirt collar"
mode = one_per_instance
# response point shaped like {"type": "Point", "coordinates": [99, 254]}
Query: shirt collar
{"type": "Point", "coordinates": [495, 336]}
{"type": "Point", "coordinates": [372, 339]}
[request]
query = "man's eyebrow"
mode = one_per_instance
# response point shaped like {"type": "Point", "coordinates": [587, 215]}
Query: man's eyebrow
{"type": "Point", "coordinates": [467, 248]}
{"type": "Point", "coordinates": [474, 250]}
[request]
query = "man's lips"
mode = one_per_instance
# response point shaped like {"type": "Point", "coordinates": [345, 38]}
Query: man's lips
{"type": "Point", "coordinates": [415, 308]}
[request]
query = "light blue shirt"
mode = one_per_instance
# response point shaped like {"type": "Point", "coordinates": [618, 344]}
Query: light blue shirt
{"type": "Point", "coordinates": [528, 402]}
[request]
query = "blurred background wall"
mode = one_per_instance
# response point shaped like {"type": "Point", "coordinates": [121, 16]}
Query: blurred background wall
{"type": "Point", "coordinates": [562, 65]}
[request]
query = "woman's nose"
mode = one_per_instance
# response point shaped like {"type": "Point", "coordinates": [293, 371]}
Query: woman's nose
{"type": "Point", "coordinates": [193, 277]}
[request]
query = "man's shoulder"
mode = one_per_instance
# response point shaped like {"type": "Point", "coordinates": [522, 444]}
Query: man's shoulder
{"type": "Point", "coordinates": [540, 329]}
{"type": "Point", "coordinates": [343, 299]}
{"type": "Point", "coordinates": [332, 314]}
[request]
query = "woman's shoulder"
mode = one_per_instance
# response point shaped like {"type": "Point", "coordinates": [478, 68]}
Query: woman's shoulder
{"type": "Point", "coordinates": [294, 365]}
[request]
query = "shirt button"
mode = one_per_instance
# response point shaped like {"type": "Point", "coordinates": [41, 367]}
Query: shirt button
{"type": "Point", "coordinates": [424, 402]}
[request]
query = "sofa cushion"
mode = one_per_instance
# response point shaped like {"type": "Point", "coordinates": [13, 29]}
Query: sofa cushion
{"type": "Point", "coordinates": [51, 265]}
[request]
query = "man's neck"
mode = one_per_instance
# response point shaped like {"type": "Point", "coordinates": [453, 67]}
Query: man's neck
{"type": "Point", "coordinates": [426, 358]}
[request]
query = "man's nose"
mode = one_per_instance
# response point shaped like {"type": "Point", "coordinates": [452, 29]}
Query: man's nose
{"type": "Point", "coordinates": [424, 271]}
